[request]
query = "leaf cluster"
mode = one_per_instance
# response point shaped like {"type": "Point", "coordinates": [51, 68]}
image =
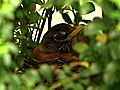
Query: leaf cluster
{"type": "Point", "coordinates": [19, 20]}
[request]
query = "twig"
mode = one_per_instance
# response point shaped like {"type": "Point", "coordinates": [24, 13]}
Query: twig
{"type": "Point", "coordinates": [50, 12]}
{"type": "Point", "coordinates": [38, 25]}
{"type": "Point", "coordinates": [42, 26]}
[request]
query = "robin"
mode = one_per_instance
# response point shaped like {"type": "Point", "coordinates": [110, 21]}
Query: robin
{"type": "Point", "coordinates": [57, 43]}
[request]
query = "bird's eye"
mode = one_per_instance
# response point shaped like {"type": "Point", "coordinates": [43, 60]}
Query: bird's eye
{"type": "Point", "coordinates": [59, 37]}
{"type": "Point", "coordinates": [62, 33]}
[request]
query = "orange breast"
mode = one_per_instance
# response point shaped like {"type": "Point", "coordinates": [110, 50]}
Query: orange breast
{"type": "Point", "coordinates": [44, 57]}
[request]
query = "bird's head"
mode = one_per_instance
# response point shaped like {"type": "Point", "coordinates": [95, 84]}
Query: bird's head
{"type": "Point", "coordinates": [59, 37]}
{"type": "Point", "coordinates": [57, 33]}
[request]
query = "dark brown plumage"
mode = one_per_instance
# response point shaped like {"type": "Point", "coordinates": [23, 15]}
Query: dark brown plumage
{"type": "Point", "coordinates": [57, 43]}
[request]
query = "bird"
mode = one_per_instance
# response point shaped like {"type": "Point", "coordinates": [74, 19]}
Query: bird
{"type": "Point", "coordinates": [57, 44]}
{"type": "Point", "coordinates": [56, 47]}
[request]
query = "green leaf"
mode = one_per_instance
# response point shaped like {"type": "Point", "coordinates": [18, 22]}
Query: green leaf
{"type": "Point", "coordinates": [59, 3]}
{"type": "Point", "coordinates": [7, 59]}
{"type": "Point", "coordinates": [76, 5]}
{"type": "Point", "coordinates": [13, 48]}
{"type": "Point", "coordinates": [15, 3]}
{"type": "Point", "coordinates": [114, 48]}
{"type": "Point", "coordinates": [110, 75]}
{"type": "Point", "coordinates": [80, 47]}
{"type": "Point", "coordinates": [67, 70]}
{"type": "Point", "coordinates": [7, 10]}
{"type": "Point", "coordinates": [46, 72]}
{"type": "Point", "coordinates": [96, 68]}
{"type": "Point", "coordinates": [77, 18]}
{"type": "Point", "coordinates": [90, 87]}
{"type": "Point", "coordinates": [94, 27]}
{"type": "Point", "coordinates": [37, 2]}
{"type": "Point", "coordinates": [36, 17]}
{"type": "Point", "coordinates": [87, 7]}
{"type": "Point", "coordinates": [31, 77]}
{"type": "Point", "coordinates": [15, 82]}
{"type": "Point", "coordinates": [114, 35]}
{"type": "Point", "coordinates": [41, 87]}
{"type": "Point", "coordinates": [117, 2]}
{"type": "Point", "coordinates": [4, 49]}
{"type": "Point", "coordinates": [20, 60]}
{"type": "Point", "coordinates": [26, 4]}
{"type": "Point", "coordinates": [2, 86]}
{"type": "Point", "coordinates": [108, 7]}
{"type": "Point", "coordinates": [115, 15]}
{"type": "Point", "coordinates": [66, 18]}
{"type": "Point", "coordinates": [78, 86]}
{"type": "Point", "coordinates": [47, 5]}
{"type": "Point", "coordinates": [68, 84]}
{"type": "Point", "coordinates": [6, 32]}
{"type": "Point", "coordinates": [85, 73]}
{"type": "Point", "coordinates": [28, 52]}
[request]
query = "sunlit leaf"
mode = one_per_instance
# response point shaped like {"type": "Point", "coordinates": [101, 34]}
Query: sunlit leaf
{"type": "Point", "coordinates": [95, 68]}
{"type": "Point", "coordinates": [47, 5]}
{"type": "Point", "coordinates": [2, 86]}
{"type": "Point", "coordinates": [41, 87]}
{"type": "Point", "coordinates": [102, 38]}
{"type": "Point", "coordinates": [117, 2]}
{"type": "Point", "coordinates": [91, 87]}
{"type": "Point", "coordinates": [46, 72]}
{"type": "Point", "coordinates": [110, 73]}
{"type": "Point", "coordinates": [94, 27]}
{"type": "Point", "coordinates": [67, 69]}
{"type": "Point", "coordinates": [68, 84]}
{"type": "Point", "coordinates": [7, 59]}
{"type": "Point", "coordinates": [7, 10]}
{"type": "Point", "coordinates": [7, 31]}
{"type": "Point", "coordinates": [60, 4]}
{"type": "Point", "coordinates": [115, 15]}
{"type": "Point", "coordinates": [87, 8]}
{"type": "Point", "coordinates": [78, 87]}
{"type": "Point", "coordinates": [4, 49]}
{"type": "Point", "coordinates": [62, 75]}
{"type": "Point", "coordinates": [13, 48]}
{"type": "Point", "coordinates": [31, 77]}
{"type": "Point", "coordinates": [118, 27]}
{"type": "Point", "coordinates": [15, 3]}
{"type": "Point", "coordinates": [114, 34]}
{"type": "Point", "coordinates": [80, 47]}
{"type": "Point", "coordinates": [15, 82]}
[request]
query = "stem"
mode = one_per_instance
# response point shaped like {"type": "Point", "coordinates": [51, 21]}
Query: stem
{"type": "Point", "coordinates": [38, 25]}
{"type": "Point", "coordinates": [50, 12]}
{"type": "Point", "coordinates": [42, 26]}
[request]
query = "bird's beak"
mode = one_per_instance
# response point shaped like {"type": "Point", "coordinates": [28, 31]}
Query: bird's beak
{"type": "Point", "coordinates": [75, 30]}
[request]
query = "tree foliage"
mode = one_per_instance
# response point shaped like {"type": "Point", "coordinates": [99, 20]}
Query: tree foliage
{"type": "Point", "coordinates": [19, 20]}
